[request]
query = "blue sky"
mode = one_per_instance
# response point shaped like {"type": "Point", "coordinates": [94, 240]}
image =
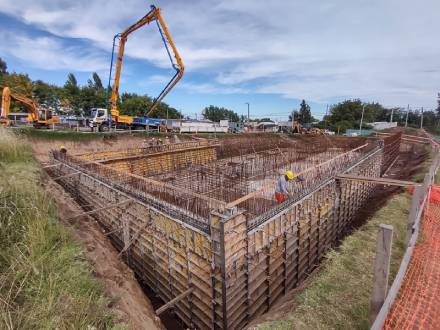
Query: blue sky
{"type": "Point", "coordinates": [270, 54]}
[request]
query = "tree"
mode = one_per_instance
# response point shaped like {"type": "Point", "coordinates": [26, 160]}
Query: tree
{"type": "Point", "coordinates": [348, 114]}
{"type": "Point", "coordinates": [138, 105]}
{"type": "Point", "coordinates": [305, 114]}
{"type": "Point", "coordinates": [71, 82]}
{"type": "Point", "coordinates": [97, 81]}
{"type": "Point", "coordinates": [294, 116]}
{"type": "Point", "coordinates": [216, 114]}
{"type": "Point", "coordinates": [19, 83]}
{"type": "Point", "coordinates": [438, 105]}
{"type": "Point", "coordinates": [3, 67]}
{"type": "Point", "coordinates": [45, 94]}
{"type": "Point", "coordinates": [71, 93]}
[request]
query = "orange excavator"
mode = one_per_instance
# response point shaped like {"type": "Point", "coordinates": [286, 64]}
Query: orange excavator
{"type": "Point", "coordinates": [39, 117]}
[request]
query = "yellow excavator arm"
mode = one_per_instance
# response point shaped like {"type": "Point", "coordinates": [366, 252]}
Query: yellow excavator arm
{"type": "Point", "coordinates": [31, 107]}
{"type": "Point", "coordinates": [6, 103]}
{"type": "Point", "coordinates": [153, 15]}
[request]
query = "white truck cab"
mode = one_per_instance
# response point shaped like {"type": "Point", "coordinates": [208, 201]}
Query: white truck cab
{"type": "Point", "coordinates": [99, 118]}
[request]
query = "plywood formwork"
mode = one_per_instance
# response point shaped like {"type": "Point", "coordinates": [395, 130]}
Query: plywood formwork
{"type": "Point", "coordinates": [239, 254]}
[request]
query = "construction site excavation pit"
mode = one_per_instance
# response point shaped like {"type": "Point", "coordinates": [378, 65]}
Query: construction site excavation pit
{"type": "Point", "coordinates": [199, 224]}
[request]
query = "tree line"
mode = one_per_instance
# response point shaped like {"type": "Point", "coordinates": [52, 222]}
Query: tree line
{"type": "Point", "coordinates": [348, 114]}
{"type": "Point", "coordinates": [71, 98]}
{"type": "Point", "coordinates": [75, 99]}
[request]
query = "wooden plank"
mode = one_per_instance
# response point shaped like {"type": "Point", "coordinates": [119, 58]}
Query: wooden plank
{"type": "Point", "coordinates": [415, 205]}
{"type": "Point", "coordinates": [135, 237]}
{"type": "Point", "coordinates": [377, 180]}
{"type": "Point", "coordinates": [381, 269]}
{"type": "Point", "coordinates": [172, 302]}
{"type": "Point", "coordinates": [108, 207]}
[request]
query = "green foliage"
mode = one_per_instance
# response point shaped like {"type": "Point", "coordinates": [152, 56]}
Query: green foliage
{"type": "Point", "coordinates": [305, 114]}
{"type": "Point", "coordinates": [80, 99]}
{"type": "Point", "coordinates": [3, 67]}
{"type": "Point", "coordinates": [294, 115]}
{"type": "Point", "coordinates": [71, 93]}
{"type": "Point", "coordinates": [20, 83]}
{"type": "Point", "coordinates": [138, 105]}
{"type": "Point", "coordinates": [45, 94]}
{"type": "Point", "coordinates": [219, 113]}
{"type": "Point", "coordinates": [133, 104]}
{"type": "Point", "coordinates": [45, 280]}
{"type": "Point", "coordinates": [347, 114]}
{"type": "Point", "coordinates": [97, 83]}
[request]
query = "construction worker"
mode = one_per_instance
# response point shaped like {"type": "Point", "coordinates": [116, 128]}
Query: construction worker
{"type": "Point", "coordinates": [281, 191]}
{"type": "Point", "coordinates": [63, 152]}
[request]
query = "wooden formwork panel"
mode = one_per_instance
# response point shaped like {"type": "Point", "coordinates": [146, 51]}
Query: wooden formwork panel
{"type": "Point", "coordinates": [164, 162]}
{"type": "Point", "coordinates": [236, 273]}
{"type": "Point", "coordinates": [167, 254]}
{"type": "Point", "coordinates": [284, 250]}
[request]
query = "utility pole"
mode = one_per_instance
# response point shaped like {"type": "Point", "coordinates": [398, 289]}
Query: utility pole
{"type": "Point", "coordinates": [325, 120]}
{"type": "Point", "coordinates": [392, 113]}
{"type": "Point", "coordinates": [406, 120]}
{"type": "Point", "coordinates": [248, 110]}
{"type": "Point", "coordinates": [362, 119]}
{"type": "Point", "coordinates": [421, 120]}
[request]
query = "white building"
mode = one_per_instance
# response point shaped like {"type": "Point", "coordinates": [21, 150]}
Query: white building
{"type": "Point", "coordinates": [203, 126]}
{"type": "Point", "coordinates": [381, 125]}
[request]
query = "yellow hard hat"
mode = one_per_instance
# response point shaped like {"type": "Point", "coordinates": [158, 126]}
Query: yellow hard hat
{"type": "Point", "coordinates": [62, 147]}
{"type": "Point", "coordinates": [290, 175]}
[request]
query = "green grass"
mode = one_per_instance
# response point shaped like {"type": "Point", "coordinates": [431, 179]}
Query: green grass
{"type": "Point", "coordinates": [45, 281]}
{"type": "Point", "coordinates": [63, 135]}
{"type": "Point", "coordinates": [67, 135]}
{"type": "Point", "coordinates": [339, 296]}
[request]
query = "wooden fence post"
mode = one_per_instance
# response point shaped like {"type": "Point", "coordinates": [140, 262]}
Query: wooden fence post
{"type": "Point", "coordinates": [381, 269]}
{"type": "Point", "coordinates": [415, 205]}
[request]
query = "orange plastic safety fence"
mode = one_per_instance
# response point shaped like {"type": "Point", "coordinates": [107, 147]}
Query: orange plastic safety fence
{"type": "Point", "coordinates": [418, 303]}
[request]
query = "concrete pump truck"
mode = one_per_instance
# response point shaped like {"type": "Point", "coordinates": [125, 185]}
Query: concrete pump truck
{"type": "Point", "coordinates": [103, 119]}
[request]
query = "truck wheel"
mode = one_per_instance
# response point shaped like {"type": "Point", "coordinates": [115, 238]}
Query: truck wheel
{"type": "Point", "coordinates": [104, 128]}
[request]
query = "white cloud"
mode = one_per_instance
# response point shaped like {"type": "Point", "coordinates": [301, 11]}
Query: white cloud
{"type": "Point", "coordinates": [377, 50]}
{"type": "Point", "coordinates": [49, 53]}
{"type": "Point", "coordinates": [209, 88]}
